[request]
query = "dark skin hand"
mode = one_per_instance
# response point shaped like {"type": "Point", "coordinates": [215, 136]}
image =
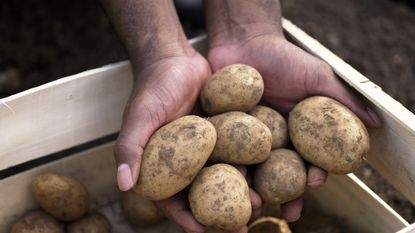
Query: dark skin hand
{"type": "Point", "coordinates": [250, 32]}
{"type": "Point", "coordinates": [169, 74]}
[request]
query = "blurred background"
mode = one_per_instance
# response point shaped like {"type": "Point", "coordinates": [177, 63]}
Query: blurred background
{"type": "Point", "coordinates": [41, 41]}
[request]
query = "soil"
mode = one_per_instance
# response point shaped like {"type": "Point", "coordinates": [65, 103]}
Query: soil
{"type": "Point", "coordinates": [41, 41]}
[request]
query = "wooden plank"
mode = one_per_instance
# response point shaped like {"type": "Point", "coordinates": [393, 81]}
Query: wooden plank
{"type": "Point", "coordinates": [94, 167]}
{"type": "Point", "coordinates": [67, 112]}
{"type": "Point", "coordinates": [408, 229]}
{"type": "Point", "coordinates": [392, 151]}
{"type": "Point", "coordinates": [356, 206]}
{"type": "Point", "coordinates": [63, 113]}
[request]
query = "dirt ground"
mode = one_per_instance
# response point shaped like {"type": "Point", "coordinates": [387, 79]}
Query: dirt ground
{"type": "Point", "coordinates": [44, 40]}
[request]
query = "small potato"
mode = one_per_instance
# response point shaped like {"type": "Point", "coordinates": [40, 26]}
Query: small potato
{"type": "Point", "coordinates": [281, 178]}
{"type": "Point", "coordinates": [328, 134]}
{"type": "Point", "coordinates": [242, 139]}
{"type": "Point", "coordinates": [219, 197]}
{"type": "Point", "coordinates": [91, 223]}
{"type": "Point", "coordinates": [235, 87]}
{"type": "Point", "coordinates": [37, 222]}
{"type": "Point", "coordinates": [173, 156]}
{"type": "Point", "coordinates": [275, 122]}
{"type": "Point", "coordinates": [139, 211]}
{"type": "Point", "coordinates": [61, 196]}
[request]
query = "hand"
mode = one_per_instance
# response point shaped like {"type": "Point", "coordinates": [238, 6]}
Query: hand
{"type": "Point", "coordinates": [290, 75]}
{"type": "Point", "coordinates": [165, 89]}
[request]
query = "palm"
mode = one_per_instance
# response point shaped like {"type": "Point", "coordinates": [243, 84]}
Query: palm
{"type": "Point", "coordinates": [290, 74]}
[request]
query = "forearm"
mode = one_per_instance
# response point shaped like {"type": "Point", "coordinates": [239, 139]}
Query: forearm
{"type": "Point", "coordinates": [150, 30]}
{"type": "Point", "coordinates": [230, 21]}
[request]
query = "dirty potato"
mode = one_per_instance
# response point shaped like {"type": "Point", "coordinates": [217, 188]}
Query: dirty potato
{"type": "Point", "coordinates": [328, 134]}
{"type": "Point", "coordinates": [37, 222]}
{"type": "Point", "coordinates": [235, 87]}
{"type": "Point", "coordinates": [281, 178]}
{"type": "Point", "coordinates": [242, 139]}
{"type": "Point", "coordinates": [61, 196]}
{"type": "Point", "coordinates": [219, 197]}
{"type": "Point", "coordinates": [91, 223]}
{"type": "Point", "coordinates": [173, 156]}
{"type": "Point", "coordinates": [275, 122]}
{"type": "Point", "coordinates": [139, 211]}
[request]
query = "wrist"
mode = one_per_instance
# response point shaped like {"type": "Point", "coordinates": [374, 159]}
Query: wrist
{"type": "Point", "coordinates": [160, 49]}
{"type": "Point", "coordinates": [241, 33]}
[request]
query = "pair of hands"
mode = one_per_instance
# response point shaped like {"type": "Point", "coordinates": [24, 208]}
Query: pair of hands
{"type": "Point", "coordinates": [168, 88]}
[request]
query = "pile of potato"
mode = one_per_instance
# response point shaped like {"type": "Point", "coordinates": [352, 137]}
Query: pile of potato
{"type": "Point", "coordinates": [238, 131]}
{"type": "Point", "coordinates": [65, 204]}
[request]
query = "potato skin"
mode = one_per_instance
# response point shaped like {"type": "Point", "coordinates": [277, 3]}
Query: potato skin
{"type": "Point", "coordinates": [275, 122]}
{"type": "Point", "coordinates": [242, 139]}
{"type": "Point", "coordinates": [61, 196]}
{"type": "Point", "coordinates": [139, 211]}
{"type": "Point", "coordinates": [219, 197]}
{"type": "Point", "coordinates": [236, 87]}
{"type": "Point", "coordinates": [173, 156]}
{"type": "Point", "coordinates": [281, 178]}
{"type": "Point", "coordinates": [37, 222]}
{"type": "Point", "coordinates": [328, 134]}
{"type": "Point", "coordinates": [91, 223]}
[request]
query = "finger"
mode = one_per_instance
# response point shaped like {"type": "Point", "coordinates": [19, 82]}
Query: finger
{"type": "Point", "coordinates": [326, 83]}
{"type": "Point", "coordinates": [241, 169]}
{"type": "Point", "coordinates": [175, 209]}
{"type": "Point", "coordinates": [292, 210]}
{"type": "Point", "coordinates": [138, 125]}
{"type": "Point", "coordinates": [316, 177]}
{"type": "Point", "coordinates": [256, 203]}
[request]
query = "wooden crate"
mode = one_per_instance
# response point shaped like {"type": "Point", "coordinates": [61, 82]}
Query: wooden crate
{"type": "Point", "coordinates": [83, 107]}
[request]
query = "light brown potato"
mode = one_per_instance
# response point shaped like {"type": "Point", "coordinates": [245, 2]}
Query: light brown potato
{"type": "Point", "coordinates": [235, 87]}
{"type": "Point", "coordinates": [173, 156]}
{"type": "Point", "coordinates": [219, 197]}
{"type": "Point", "coordinates": [275, 122]}
{"type": "Point", "coordinates": [281, 178]}
{"type": "Point", "coordinates": [328, 134]}
{"type": "Point", "coordinates": [61, 196]}
{"type": "Point", "coordinates": [37, 222]}
{"type": "Point", "coordinates": [242, 139]}
{"type": "Point", "coordinates": [139, 211]}
{"type": "Point", "coordinates": [91, 223]}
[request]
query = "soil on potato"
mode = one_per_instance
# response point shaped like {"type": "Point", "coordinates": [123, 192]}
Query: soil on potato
{"type": "Point", "coordinates": [41, 41]}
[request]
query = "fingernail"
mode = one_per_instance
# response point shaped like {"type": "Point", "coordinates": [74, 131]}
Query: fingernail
{"type": "Point", "coordinates": [373, 116]}
{"type": "Point", "coordinates": [124, 178]}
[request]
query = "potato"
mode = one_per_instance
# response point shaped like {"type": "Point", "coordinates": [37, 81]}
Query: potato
{"type": "Point", "coordinates": [139, 211]}
{"type": "Point", "coordinates": [219, 197]}
{"type": "Point", "coordinates": [37, 222]}
{"type": "Point", "coordinates": [91, 223]}
{"type": "Point", "coordinates": [235, 87]}
{"type": "Point", "coordinates": [281, 178]}
{"type": "Point", "coordinates": [61, 196]}
{"type": "Point", "coordinates": [173, 156]}
{"type": "Point", "coordinates": [275, 122]}
{"type": "Point", "coordinates": [242, 139]}
{"type": "Point", "coordinates": [328, 134]}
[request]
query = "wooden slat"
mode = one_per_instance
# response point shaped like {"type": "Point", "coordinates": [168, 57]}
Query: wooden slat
{"type": "Point", "coordinates": [408, 229]}
{"type": "Point", "coordinates": [356, 206]}
{"type": "Point", "coordinates": [63, 113]}
{"type": "Point", "coordinates": [95, 168]}
{"type": "Point", "coordinates": [392, 151]}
